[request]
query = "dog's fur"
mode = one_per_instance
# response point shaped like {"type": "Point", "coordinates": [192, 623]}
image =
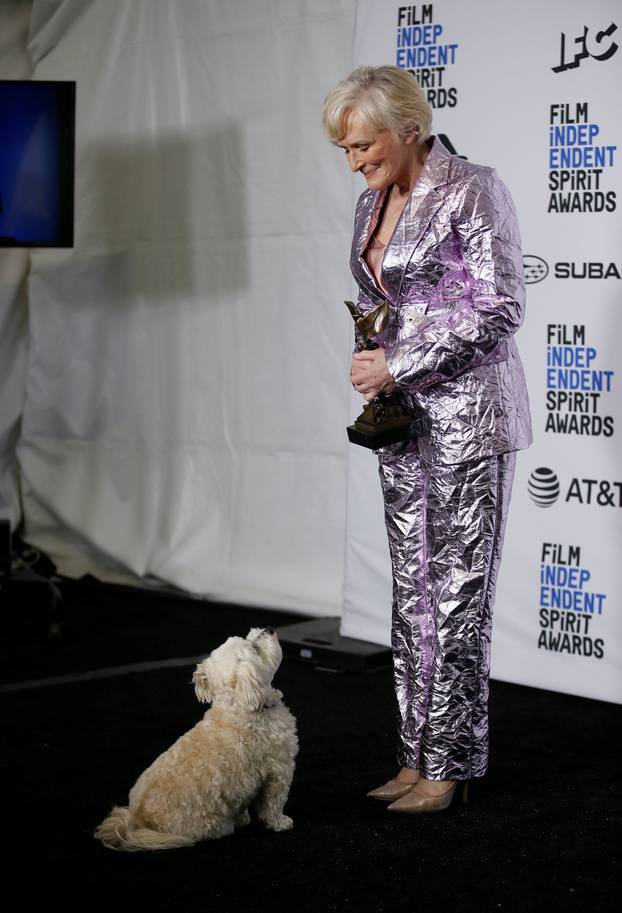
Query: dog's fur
{"type": "Point", "coordinates": [240, 754]}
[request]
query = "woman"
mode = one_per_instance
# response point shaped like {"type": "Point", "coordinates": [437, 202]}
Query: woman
{"type": "Point", "coordinates": [438, 238]}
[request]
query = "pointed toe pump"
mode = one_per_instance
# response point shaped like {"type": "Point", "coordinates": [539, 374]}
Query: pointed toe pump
{"type": "Point", "coordinates": [416, 802]}
{"type": "Point", "coordinates": [392, 790]}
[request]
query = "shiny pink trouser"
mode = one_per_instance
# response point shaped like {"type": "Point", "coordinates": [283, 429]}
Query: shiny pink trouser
{"type": "Point", "coordinates": [445, 526]}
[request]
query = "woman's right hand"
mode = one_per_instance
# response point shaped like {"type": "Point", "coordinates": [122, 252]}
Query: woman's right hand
{"type": "Point", "coordinates": [369, 373]}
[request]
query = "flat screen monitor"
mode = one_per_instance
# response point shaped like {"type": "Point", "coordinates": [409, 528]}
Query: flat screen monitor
{"type": "Point", "coordinates": [37, 153]}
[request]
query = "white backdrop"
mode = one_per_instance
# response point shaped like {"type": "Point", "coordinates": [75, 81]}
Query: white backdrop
{"type": "Point", "coordinates": [489, 69]}
{"type": "Point", "coordinates": [186, 386]}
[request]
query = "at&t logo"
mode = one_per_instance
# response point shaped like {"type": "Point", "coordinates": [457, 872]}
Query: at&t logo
{"type": "Point", "coordinates": [543, 487]}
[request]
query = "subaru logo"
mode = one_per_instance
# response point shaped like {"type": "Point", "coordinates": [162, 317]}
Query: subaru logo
{"type": "Point", "coordinates": [536, 269]}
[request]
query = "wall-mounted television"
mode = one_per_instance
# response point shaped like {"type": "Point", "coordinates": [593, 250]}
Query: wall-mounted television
{"type": "Point", "coordinates": [37, 154]}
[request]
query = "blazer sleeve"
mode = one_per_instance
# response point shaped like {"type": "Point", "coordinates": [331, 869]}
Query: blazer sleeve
{"type": "Point", "coordinates": [491, 307]}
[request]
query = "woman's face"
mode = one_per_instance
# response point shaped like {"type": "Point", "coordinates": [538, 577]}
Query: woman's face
{"type": "Point", "coordinates": [383, 157]}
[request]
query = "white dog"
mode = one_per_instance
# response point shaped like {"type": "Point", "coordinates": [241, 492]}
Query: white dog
{"type": "Point", "coordinates": [240, 754]}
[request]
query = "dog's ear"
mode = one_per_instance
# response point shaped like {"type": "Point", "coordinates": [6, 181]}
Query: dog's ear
{"type": "Point", "coordinates": [202, 687]}
{"type": "Point", "coordinates": [248, 687]}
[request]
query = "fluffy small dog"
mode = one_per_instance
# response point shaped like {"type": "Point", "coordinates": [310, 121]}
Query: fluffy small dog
{"type": "Point", "coordinates": [240, 754]}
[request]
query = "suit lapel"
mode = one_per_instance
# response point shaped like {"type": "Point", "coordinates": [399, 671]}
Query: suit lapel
{"type": "Point", "coordinates": [366, 221]}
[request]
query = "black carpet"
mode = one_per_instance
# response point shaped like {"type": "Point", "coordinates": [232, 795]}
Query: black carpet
{"type": "Point", "coordinates": [542, 830]}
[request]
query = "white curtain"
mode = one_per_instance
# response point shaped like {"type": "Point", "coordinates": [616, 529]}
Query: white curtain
{"type": "Point", "coordinates": [187, 387]}
{"type": "Point", "coordinates": [14, 64]}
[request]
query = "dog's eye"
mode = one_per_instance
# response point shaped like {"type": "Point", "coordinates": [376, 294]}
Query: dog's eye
{"type": "Point", "coordinates": [249, 646]}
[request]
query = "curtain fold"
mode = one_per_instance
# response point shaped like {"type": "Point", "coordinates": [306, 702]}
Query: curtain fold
{"type": "Point", "coordinates": [186, 390]}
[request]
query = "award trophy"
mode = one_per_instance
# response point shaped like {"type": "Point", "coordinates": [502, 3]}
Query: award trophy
{"type": "Point", "coordinates": [383, 420]}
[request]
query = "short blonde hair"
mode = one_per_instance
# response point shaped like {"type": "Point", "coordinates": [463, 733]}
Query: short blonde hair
{"type": "Point", "coordinates": [389, 98]}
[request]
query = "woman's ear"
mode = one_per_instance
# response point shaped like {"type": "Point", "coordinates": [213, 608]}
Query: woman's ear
{"type": "Point", "coordinates": [202, 687]}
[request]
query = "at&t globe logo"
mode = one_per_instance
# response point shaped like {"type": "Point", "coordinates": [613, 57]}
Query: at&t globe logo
{"type": "Point", "coordinates": [543, 487]}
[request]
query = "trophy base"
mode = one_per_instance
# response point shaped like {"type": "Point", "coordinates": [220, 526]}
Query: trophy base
{"type": "Point", "coordinates": [381, 436]}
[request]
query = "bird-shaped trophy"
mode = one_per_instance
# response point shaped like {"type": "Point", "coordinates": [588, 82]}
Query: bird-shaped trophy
{"type": "Point", "coordinates": [383, 420]}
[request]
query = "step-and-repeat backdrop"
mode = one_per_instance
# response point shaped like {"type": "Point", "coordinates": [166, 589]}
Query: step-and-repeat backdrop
{"type": "Point", "coordinates": [532, 90]}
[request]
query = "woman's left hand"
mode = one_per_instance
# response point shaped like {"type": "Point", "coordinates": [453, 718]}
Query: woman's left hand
{"type": "Point", "coordinates": [370, 375]}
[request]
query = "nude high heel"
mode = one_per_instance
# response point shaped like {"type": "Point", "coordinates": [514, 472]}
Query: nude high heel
{"type": "Point", "coordinates": [415, 803]}
{"type": "Point", "coordinates": [391, 790]}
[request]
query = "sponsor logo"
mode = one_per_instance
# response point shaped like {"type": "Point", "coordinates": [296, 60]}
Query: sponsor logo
{"type": "Point", "coordinates": [543, 487]}
{"type": "Point", "coordinates": [569, 607]}
{"type": "Point", "coordinates": [579, 161]}
{"type": "Point", "coordinates": [536, 269]}
{"type": "Point", "coordinates": [591, 270]}
{"type": "Point", "coordinates": [600, 492]}
{"type": "Point", "coordinates": [577, 388]}
{"type": "Point", "coordinates": [597, 44]}
{"type": "Point", "coordinates": [423, 50]}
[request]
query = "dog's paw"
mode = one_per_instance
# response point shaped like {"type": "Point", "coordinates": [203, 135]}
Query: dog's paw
{"type": "Point", "coordinates": [280, 823]}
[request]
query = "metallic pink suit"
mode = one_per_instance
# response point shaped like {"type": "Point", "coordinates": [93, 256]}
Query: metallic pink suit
{"type": "Point", "coordinates": [454, 277]}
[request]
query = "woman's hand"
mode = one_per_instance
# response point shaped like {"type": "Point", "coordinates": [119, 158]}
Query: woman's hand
{"type": "Point", "coordinates": [370, 375]}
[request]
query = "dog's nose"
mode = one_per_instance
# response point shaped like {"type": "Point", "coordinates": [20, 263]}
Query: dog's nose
{"type": "Point", "coordinates": [269, 630]}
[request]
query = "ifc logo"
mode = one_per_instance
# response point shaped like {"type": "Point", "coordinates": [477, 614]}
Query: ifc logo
{"type": "Point", "coordinates": [543, 487]}
{"type": "Point", "coordinates": [536, 269]}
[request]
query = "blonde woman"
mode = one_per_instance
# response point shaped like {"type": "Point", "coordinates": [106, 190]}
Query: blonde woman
{"type": "Point", "coordinates": [437, 237]}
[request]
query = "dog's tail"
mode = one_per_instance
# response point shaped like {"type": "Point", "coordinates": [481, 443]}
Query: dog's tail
{"type": "Point", "coordinates": [121, 831]}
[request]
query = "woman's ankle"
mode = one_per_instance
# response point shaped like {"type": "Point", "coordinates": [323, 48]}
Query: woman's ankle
{"type": "Point", "coordinates": [408, 775]}
{"type": "Point", "coordinates": [434, 787]}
